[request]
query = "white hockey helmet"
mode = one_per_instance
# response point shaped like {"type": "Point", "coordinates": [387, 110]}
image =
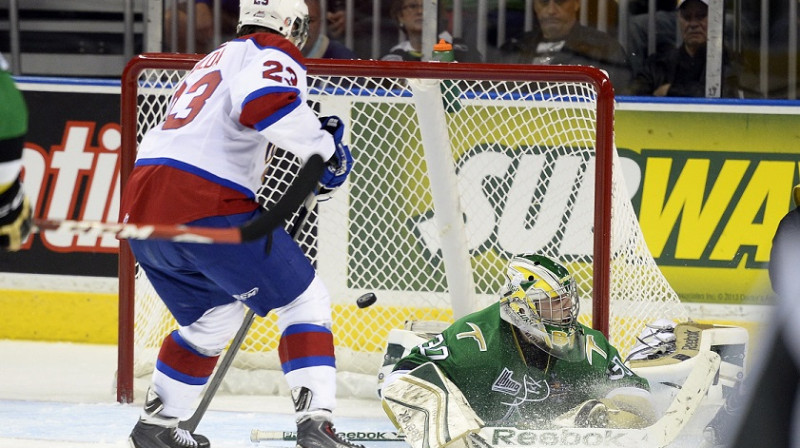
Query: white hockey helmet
{"type": "Point", "coordinates": [287, 17]}
{"type": "Point", "coordinates": [541, 300]}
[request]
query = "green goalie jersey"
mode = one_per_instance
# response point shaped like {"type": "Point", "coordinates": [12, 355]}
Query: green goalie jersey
{"type": "Point", "coordinates": [512, 384]}
{"type": "Point", "coordinates": [13, 111]}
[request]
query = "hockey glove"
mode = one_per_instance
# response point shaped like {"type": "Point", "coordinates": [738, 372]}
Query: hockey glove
{"type": "Point", "coordinates": [15, 218]}
{"type": "Point", "coordinates": [339, 165]}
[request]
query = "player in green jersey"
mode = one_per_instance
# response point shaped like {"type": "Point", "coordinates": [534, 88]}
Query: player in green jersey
{"type": "Point", "coordinates": [15, 210]}
{"type": "Point", "coordinates": [524, 362]}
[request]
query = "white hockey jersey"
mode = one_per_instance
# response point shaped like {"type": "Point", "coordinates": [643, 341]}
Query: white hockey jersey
{"type": "Point", "coordinates": [208, 156]}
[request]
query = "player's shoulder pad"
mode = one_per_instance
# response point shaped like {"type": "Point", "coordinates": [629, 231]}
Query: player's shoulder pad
{"type": "Point", "coordinates": [274, 41]}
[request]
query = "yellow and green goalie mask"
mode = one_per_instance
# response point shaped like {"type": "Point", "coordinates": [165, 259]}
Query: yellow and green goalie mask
{"type": "Point", "coordinates": [540, 299]}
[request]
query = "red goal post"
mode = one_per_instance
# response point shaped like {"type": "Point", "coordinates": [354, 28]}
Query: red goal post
{"type": "Point", "coordinates": [439, 197]}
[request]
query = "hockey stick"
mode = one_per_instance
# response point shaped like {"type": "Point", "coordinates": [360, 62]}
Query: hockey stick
{"type": "Point", "coordinates": [305, 182]}
{"type": "Point", "coordinates": [177, 233]}
{"type": "Point", "coordinates": [227, 360]}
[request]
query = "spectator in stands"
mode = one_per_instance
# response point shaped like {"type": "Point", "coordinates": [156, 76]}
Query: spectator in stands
{"type": "Point", "coordinates": [319, 45]}
{"type": "Point", "coordinates": [560, 39]}
{"type": "Point", "coordinates": [204, 20]}
{"type": "Point", "coordinates": [681, 71]}
{"type": "Point", "coordinates": [408, 14]}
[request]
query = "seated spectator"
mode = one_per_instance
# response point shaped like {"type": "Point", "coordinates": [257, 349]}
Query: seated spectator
{"type": "Point", "coordinates": [319, 45]}
{"type": "Point", "coordinates": [681, 71]}
{"type": "Point", "coordinates": [561, 40]}
{"type": "Point", "coordinates": [408, 14]}
{"type": "Point", "coordinates": [597, 15]}
{"type": "Point", "coordinates": [204, 20]}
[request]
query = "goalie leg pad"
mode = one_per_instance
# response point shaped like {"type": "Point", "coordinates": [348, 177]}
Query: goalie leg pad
{"type": "Point", "coordinates": [430, 409]}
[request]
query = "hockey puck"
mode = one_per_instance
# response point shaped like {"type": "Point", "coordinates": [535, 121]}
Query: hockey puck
{"type": "Point", "coordinates": [366, 300]}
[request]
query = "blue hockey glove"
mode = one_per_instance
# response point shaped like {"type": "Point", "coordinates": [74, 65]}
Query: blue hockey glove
{"type": "Point", "coordinates": [341, 162]}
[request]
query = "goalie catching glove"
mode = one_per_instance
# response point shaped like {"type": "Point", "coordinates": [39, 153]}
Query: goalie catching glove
{"type": "Point", "coordinates": [15, 217]}
{"type": "Point", "coordinates": [341, 162]}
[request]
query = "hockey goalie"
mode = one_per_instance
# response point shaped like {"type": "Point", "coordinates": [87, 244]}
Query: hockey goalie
{"type": "Point", "coordinates": [524, 371]}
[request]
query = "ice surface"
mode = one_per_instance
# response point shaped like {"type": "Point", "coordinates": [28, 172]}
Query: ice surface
{"type": "Point", "coordinates": [61, 395]}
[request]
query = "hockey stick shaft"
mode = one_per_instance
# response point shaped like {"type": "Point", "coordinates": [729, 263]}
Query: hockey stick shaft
{"type": "Point", "coordinates": [258, 435]}
{"type": "Point", "coordinates": [227, 360]}
{"type": "Point", "coordinates": [177, 233]}
{"type": "Point", "coordinates": [305, 182]}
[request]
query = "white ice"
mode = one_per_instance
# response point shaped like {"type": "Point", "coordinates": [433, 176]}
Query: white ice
{"type": "Point", "coordinates": [61, 395]}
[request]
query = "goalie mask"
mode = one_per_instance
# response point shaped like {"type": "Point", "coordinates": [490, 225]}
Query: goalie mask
{"type": "Point", "coordinates": [541, 300]}
{"type": "Point", "coordinates": [288, 17]}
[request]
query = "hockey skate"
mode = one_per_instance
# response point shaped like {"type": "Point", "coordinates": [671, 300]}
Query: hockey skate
{"type": "Point", "coordinates": [155, 431]}
{"type": "Point", "coordinates": [314, 428]}
{"type": "Point", "coordinates": [316, 431]}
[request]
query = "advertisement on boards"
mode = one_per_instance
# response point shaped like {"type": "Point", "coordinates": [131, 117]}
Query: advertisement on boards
{"type": "Point", "coordinates": [71, 161]}
{"type": "Point", "coordinates": [709, 187]}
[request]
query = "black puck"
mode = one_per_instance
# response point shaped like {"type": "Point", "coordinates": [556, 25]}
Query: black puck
{"type": "Point", "coordinates": [366, 300]}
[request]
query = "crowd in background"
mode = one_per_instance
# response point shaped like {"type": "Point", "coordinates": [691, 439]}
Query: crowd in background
{"type": "Point", "coordinates": [673, 63]}
{"type": "Point", "coordinates": [658, 53]}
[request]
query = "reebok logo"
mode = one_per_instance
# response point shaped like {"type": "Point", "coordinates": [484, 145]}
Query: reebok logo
{"type": "Point", "coordinates": [558, 437]}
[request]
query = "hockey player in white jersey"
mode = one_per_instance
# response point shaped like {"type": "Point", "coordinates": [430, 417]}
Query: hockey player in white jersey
{"type": "Point", "coordinates": [202, 166]}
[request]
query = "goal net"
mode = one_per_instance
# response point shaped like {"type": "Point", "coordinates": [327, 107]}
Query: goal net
{"type": "Point", "coordinates": [458, 167]}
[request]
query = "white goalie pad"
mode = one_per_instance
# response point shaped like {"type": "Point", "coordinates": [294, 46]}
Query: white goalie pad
{"type": "Point", "coordinates": [430, 410]}
{"type": "Point", "coordinates": [401, 341]}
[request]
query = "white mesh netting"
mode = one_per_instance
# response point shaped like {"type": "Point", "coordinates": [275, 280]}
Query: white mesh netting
{"type": "Point", "coordinates": [514, 159]}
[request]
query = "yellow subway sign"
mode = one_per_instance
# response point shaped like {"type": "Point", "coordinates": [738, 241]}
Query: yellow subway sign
{"type": "Point", "coordinates": [709, 190]}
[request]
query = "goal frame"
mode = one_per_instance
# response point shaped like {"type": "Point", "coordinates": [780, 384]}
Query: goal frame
{"type": "Point", "coordinates": [366, 68]}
